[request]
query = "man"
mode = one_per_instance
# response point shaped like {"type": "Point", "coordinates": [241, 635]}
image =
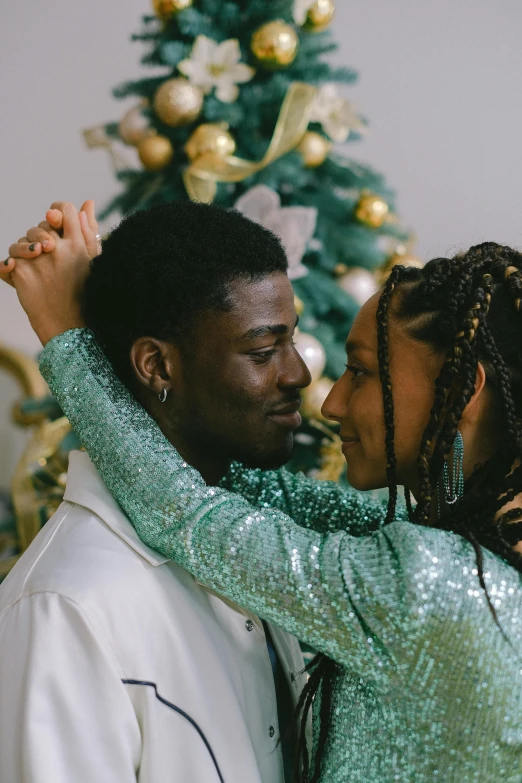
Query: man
{"type": "Point", "coordinates": [115, 665]}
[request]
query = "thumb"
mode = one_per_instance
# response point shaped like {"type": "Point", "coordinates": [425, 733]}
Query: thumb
{"type": "Point", "coordinates": [6, 267]}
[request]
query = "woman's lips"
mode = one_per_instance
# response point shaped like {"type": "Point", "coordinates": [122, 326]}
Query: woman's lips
{"type": "Point", "coordinates": [349, 443]}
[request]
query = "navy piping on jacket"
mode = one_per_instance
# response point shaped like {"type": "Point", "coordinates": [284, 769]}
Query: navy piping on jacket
{"type": "Point", "coordinates": [183, 715]}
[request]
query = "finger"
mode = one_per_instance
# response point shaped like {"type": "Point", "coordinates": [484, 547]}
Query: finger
{"type": "Point", "coordinates": [88, 208]}
{"type": "Point", "coordinates": [6, 267]}
{"type": "Point", "coordinates": [41, 235]}
{"type": "Point", "coordinates": [90, 237]}
{"type": "Point", "coordinates": [71, 223]}
{"type": "Point", "coordinates": [25, 249]}
{"type": "Point", "coordinates": [55, 218]}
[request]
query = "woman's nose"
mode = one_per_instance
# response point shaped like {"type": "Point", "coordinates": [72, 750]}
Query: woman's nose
{"type": "Point", "coordinates": [335, 403]}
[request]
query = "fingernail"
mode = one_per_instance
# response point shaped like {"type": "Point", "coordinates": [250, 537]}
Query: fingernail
{"type": "Point", "coordinates": [45, 244]}
{"type": "Point", "coordinates": [6, 262]}
{"type": "Point", "coordinates": [32, 247]}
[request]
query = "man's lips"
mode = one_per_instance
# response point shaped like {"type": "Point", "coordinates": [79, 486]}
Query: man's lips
{"type": "Point", "coordinates": [288, 414]}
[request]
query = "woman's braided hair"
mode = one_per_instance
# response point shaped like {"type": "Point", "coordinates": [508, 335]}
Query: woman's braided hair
{"type": "Point", "coordinates": [469, 309]}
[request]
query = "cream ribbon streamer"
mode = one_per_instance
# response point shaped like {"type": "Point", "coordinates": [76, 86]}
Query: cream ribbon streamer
{"type": "Point", "coordinates": [202, 176]}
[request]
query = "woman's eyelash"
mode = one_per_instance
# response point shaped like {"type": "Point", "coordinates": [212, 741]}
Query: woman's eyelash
{"type": "Point", "coordinates": [353, 369]}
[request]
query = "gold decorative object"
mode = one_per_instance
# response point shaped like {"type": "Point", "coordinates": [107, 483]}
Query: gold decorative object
{"type": "Point", "coordinates": [314, 397]}
{"type": "Point", "coordinates": [33, 506]}
{"type": "Point", "coordinates": [210, 137]}
{"type": "Point", "coordinates": [167, 8]}
{"type": "Point", "coordinates": [178, 102]}
{"type": "Point", "coordinates": [134, 126]}
{"type": "Point", "coordinates": [372, 210]}
{"type": "Point", "coordinates": [26, 372]}
{"type": "Point", "coordinates": [27, 504]}
{"type": "Point", "coordinates": [319, 16]}
{"type": "Point", "coordinates": [401, 256]}
{"type": "Point", "coordinates": [314, 148]}
{"type": "Point", "coordinates": [202, 176]}
{"type": "Point", "coordinates": [299, 305]}
{"type": "Point", "coordinates": [333, 463]}
{"type": "Point", "coordinates": [155, 152]}
{"type": "Point", "coordinates": [275, 45]}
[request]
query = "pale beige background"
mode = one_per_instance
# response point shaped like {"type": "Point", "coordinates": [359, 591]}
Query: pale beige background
{"type": "Point", "coordinates": [440, 83]}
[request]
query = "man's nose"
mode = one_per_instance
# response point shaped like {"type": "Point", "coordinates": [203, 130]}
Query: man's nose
{"type": "Point", "coordinates": [295, 373]}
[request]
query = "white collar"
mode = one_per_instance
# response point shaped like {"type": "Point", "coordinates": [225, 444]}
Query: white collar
{"type": "Point", "coordinates": [85, 487]}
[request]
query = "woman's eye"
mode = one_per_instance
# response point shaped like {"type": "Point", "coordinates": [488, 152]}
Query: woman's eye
{"type": "Point", "coordinates": [356, 371]}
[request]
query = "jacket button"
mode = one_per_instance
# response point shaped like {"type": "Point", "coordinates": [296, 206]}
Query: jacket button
{"type": "Point", "coordinates": [271, 731]}
{"type": "Point", "coordinates": [249, 625]}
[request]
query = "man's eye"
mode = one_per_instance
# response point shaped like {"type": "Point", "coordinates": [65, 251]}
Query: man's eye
{"type": "Point", "coordinates": [263, 356]}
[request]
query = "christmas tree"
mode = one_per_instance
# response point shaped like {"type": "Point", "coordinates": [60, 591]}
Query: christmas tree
{"type": "Point", "coordinates": [247, 114]}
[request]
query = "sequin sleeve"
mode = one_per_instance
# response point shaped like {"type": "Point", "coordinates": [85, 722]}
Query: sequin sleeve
{"type": "Point", "coordinates": [323, 506]}
{"type": "Point", "coordinates": [357, 599]}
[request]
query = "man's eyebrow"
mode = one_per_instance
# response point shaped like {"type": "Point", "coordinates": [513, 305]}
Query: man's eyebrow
{"type": "Point", "coordinates": [267, 330]}
{"type": "Point", "coordinates": [353, 345]}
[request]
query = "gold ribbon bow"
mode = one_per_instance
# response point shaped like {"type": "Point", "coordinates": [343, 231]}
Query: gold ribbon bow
{"type": "Point", "coordinates": [202, 176]}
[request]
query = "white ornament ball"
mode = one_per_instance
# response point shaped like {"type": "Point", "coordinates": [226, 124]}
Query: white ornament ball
{"type": "Point", "coordinates": [359, 283]}
{"type": "Point", "coordinates": [134, 126]}
{"type": "Point", "coordinates": [312, 353]}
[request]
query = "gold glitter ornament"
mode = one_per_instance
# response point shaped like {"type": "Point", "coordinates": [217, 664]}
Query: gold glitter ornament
{"type": "Point", "coordinates": [319, 16]}
{"type": "Point", "coordinates": [210, 137]}
{"type": "Point", "coordinates": [314, 148]}
{"type": "Point", "coordinates": [314, 397]}
{"type": "Point", "coordinates": [372, 210]}
{"type": "Point", "coordinates": [275, 45]}
{"type": "Point", "coordinates": [178, 102]}
{"type": "Point", "coordinates": [167, 8]}
{"type": "Point", "coordinates": [155, 152]}
{"type": "Point", "coordinates": [401, 256]}
{"type": "Point", "coordinates": [134, 126]}
{"type": "Point", "coordinates": [299, 305]}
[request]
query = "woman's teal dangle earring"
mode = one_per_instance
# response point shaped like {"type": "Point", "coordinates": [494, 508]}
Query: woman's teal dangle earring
{"type": "Point", "coordinates": [451, 483]}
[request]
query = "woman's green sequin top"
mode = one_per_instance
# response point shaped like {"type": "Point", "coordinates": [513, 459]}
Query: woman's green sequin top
{"type": "Point", "coordinates": [430, 690]}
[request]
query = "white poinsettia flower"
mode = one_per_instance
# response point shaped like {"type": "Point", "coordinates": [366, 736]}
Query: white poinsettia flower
{"type": "Point", "coordinates": [335, 113]}
{"type": "Point", "coordinates": [218, 65]}
{"type": "Point", "coordinates": [301, 8]}
{"type": "Point", "coordinates": [295, 226]}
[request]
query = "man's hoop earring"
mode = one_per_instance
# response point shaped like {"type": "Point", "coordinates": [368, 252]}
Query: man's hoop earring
{"type": "Point", "coordinates": [162, 396]}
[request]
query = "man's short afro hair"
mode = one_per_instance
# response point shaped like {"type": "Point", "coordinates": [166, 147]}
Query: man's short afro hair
{"type": "Point", "coordinates": [162, 268]}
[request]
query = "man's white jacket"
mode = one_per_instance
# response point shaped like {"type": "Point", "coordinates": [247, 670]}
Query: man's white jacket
{"type": "Point", "coordinates": [117, 666]}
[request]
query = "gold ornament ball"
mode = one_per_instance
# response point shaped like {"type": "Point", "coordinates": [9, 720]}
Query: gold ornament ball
{"type": "Point", "coordinates": [167, 8]}
{"type": "Point", "coordinates": [314, 148]}
{"type": "Point", "coordinates": [359, 283]}
{"type": "Point", "coordinates": [314, 397]}
{"type": "Point", "coordinates": [178, 102]}
{"type": "Point", "coordinates": [275, 45]}
{"type": "Point", "coordinates": [210, 137]}
{"type": "Point", "coordinates": [299, 305]}
{"type": "Point", "coordinates": [402, 257]}
{"type": "Point", "coordinates": [319, 16]}
{"type": "Point", "coordinates": [311, 352]}
{"type": "Point", "coordinates": [372, 210]}
{"type": "Point", "coordinates": [134, 126]}
{"type": "Point", "coordinates": [155, 152]}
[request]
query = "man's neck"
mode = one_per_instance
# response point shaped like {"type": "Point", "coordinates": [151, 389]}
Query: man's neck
{"type": "Point", "coordinates": [212, 467]}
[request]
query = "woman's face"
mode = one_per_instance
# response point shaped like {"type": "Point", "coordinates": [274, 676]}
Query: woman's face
{"type": "Point", "coordinates": [356, 401]}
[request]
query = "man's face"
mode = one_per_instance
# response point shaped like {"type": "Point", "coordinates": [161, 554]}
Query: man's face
{"type": "Point", "coordinates": [239, 395]}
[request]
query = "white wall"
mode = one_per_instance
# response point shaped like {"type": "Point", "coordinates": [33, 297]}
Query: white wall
{"type": "Point", "coordinates": [440, 83]}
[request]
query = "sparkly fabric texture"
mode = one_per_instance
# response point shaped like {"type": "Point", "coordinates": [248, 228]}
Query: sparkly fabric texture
{"type": "Point", "coordinates": [430, 689]}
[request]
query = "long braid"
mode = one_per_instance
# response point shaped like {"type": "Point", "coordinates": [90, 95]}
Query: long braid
{"type": "Point", "coordinates": [450, 304]}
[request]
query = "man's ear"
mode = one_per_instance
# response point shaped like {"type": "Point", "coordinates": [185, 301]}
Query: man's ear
{"type": "Point", "coordinates": [156, 364]}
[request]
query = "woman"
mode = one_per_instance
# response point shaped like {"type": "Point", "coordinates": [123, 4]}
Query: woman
{"type": "Point", "coordinates": [417, 621]}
